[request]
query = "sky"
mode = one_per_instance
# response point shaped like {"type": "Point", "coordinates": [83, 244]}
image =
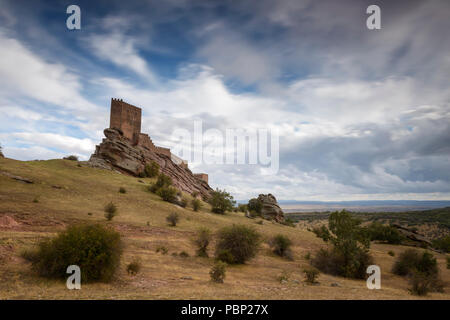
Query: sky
{"type": "Point", "coordinates": [360, 114]}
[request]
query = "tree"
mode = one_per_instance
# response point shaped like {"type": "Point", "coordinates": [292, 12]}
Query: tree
{"type": "Point", "coordinates": [221, 201]}
{"type": "Point", "coordinates": [350, 242]}
{"type": "Point", "coordinates": [255, 205]}
{"type": "Point", "coordinates": [151, 169]}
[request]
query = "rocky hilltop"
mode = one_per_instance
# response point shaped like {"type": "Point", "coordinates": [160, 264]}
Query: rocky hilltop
{"type": "Point", "coordinates": [116, 152]}
{"type": "Point", "coordinates": [270, 208]}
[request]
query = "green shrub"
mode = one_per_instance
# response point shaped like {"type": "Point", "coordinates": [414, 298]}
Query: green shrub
{"type": "Point", "coordinates": [162, 249]}
{"type": "Point", "coordinates": [36, 199]}
{"type": "Point", "coordinates": [183, 202]}
{"type": "Point", "coordinates": [217, 272]}
{"type": "Point", "coordinates": [225, 255]}
{"type": "Point", "coordinates": [122, 190]}
{"type": "Point", "coordinates": [151, 169]}
{"type": "Point", "coordinates": [134, 267]}
{"type": "Point", "coordinates": [242, 208]}
{"type": "Point", "coordinates": [380, 232]}
{"type": "Point", "coordinates": [241, 241]}
{"type": "Point", "coordinates": [161, 182]}
{"type": "Point", "coordinates": [307, 256]}
{"type": "Point", "coordinates": [110, 211]}
{"type": "Point", "coordinates": [391, 253]}
{"type": "Point", "coordinates": [411, 260]}
{"type": "Point", "coordinates": [255, 205]}
{"type": "Point", "coordinates": [423, 283]}
{"type": "Point", "coordinates": [94, 248]}
{"type": "Point", "coordinates": [289, 222]}
{"type": "Point", "coordinates": [349, 255]}
{"type": "Point", "coordinates": [196, 204]}
{"type": "Point", "coordinates": [221, 201]}
{"type": "Point", "coordinates": [168, 194]}
{"type": "Point", "coordinates": [281, 245]}
{"type": "Point", "coordinates": [71, 157]}
{"type": "Point", "coordinates": [333, 262]}
{"type": "Point", "coordinates": [173, 219]}
{"type": "Point", "coordinates": [442, 244]}
{"type": "Point", "coordinates": [184, 254]}
{"type": "Point", "coordinates": [202, 241]}
{"type": "Point", "coordinates": [311, 275]}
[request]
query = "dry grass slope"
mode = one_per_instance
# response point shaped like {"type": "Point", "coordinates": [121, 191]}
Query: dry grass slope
{"type": "Point", "coordinates": [68, 194]}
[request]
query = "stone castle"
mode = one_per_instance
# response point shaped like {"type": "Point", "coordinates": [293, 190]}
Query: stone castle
{"type": "Point", "coordinates": [128, 118]}
{"type": "Point", "coordinates": [126, 149]}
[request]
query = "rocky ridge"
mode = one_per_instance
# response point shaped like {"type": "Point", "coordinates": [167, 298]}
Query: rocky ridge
{"type": "Point", "coordinates": [116, 152]}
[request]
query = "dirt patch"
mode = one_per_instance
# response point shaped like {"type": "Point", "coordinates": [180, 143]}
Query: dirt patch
{"type": "Point", "coordinates": [7, 222]}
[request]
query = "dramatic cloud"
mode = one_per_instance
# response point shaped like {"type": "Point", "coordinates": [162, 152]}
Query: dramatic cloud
{"type": "Point", "coordinates": [360, 114]}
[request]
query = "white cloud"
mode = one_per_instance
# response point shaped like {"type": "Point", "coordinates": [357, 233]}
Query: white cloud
{"type": "Point", "coordinates": [121, 51]}
{"type": "Point", "coordinates": [22, 73]}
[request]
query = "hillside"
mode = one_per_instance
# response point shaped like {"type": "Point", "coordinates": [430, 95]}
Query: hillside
{"type": "Point", "coordinates": [65, 192]}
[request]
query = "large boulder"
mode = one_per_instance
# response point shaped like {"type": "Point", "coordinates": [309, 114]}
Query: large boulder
{"type": "Point", "coordinates": [413, 235]}
{"type": "Point", "coordinates": [270, 208]}
{"type": "Point", "coordinates": [116, 152]}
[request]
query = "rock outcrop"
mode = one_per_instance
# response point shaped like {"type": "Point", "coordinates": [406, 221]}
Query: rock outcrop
{"type": "Point", "coordinates": [270, 208]}
{"type": "Point", "coordinates": [413, 235]}
{"type": "Point", "coordinates": [117, 152]}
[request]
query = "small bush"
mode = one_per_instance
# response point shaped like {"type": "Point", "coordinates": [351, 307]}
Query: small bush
{"type": "Point", "coordinates": [71, 157]}
{"type": "Point", "coordinates": [168, 194]}
{"type": "Point", "coordinates": [242, 208]}
{"type": "Point", "coordinates": [161, 182]}
{"type": "Point", "coordinates": [110, 211]}
{"type": "Point", "coordinates": [151, 169]}
{"type": "Point", "coordinates": [183, 202]}
{"type": "Point", "coordinates": [173, 219]}
{"type": "Point", "coordinates": [94, 248]}
{"type": "Point", "coordinates": [281, 245]}
{"type": "Point", "coordinates": [255, 205]}
{"type": "Point", "coordinates": [225, 255]}
{"type": "Point", "coordinates": [442, 244]}
{"type": "Point", "coordinates": [307, 256]}
{"type": "Point", "coordinates": [30, 254]}
{"type": "Point", "coordinates": [202, 240]}
{"type": "Point", "coordinates": [183, 254]}
{"type": "Point", "coordinates": [283, 276]}
{"type": "Point", "coordinates": [422, 283]}
{"type": "Point", "coordinates": [391, 253]}
{"type": "Point", "coordinates": [134, 267]}
{"type": "Point", "coordinates": [36, 200]}
{"type": "Point", "coordinates": [241, 241]}
{"type": "Point", "coordinates": [89, 213]}
{"type": "Point", "coordinates": [289, 222]}
{"type": "Point", "coordinates": [162, 249]}
{"type": "Point", "coordinates": [221, 201]}
{"type": "Point", "coordinates": [122, 190]}
{"type": "Point", "coordinates": [217, 272]}
{"type": "Point", "coordinates": [334, 262]}
{"type": "Point", "coordinates": [196, 204]}
{"type": "Point", "coordinates": [448, 262]}
{"type": "Point", "coordinates": [388, 234]}
{"type": "Point", "coordinates": [311, 275]}
{"type": "Point", "coordinates": [411, 260]}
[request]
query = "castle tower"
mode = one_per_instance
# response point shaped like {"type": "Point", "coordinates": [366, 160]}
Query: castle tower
{"type": "Point", "coordinates": [126, 118]}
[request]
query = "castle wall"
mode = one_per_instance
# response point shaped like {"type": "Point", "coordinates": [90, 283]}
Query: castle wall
{"type": "Point", "coordinates": [146, 142]}
{"type": "Point", "coordinates": [127, 118]}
